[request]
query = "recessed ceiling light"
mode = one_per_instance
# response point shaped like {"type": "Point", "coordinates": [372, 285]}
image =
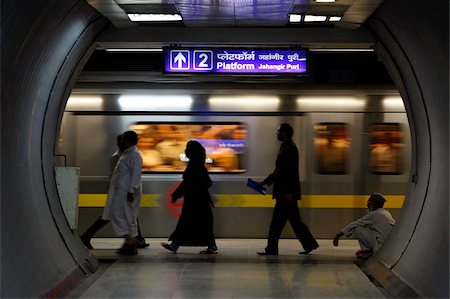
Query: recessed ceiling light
{"type": "Point", "coordinates": [295, 18]}
{"type": "Point", "coordinates": [335, 18]}
{"type": "Point", "coordinates": [133, 50]}
{"type": "Point", "coordinates": [136, 17]}
{"type": "Point", "coordinates": [339, 50]}
{"type": "Point", "coordinates": [312, 18]}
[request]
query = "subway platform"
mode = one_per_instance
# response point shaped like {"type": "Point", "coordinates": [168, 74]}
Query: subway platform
{"type": "Point", "coordinates": [236, 272]}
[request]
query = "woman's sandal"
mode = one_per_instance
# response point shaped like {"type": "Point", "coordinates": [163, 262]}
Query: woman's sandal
{"type": "Point", "coordinates": [208, 251]}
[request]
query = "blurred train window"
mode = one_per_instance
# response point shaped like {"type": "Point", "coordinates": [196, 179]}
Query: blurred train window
{"type": "Point", "coordinates": [386, 148]}
{"type": "Point", "coordinates": [162, 145]}
{"type": "Point", "coordinates": [332, 144]}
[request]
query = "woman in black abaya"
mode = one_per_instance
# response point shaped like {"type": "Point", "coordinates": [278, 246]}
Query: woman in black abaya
{"type": "Point", "coordinates": [195, 226]}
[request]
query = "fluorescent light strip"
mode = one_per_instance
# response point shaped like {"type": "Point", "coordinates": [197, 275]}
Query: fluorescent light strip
{"type": "Point", "coordinates": [133, 50]}
{"type": "Point", "coordinates": [135, 17]}
{"type": "Point", "coordinates": [312, 18]}
{"type": "Point", "coordinates": [295, 18]}
{"type": "Point", "coordinates": [393, 103]}
{"type": "Point", "coordinates": [84, 102]}
{"type": "Point", "coordinates": [242, 102]}
{"type": "Point", "coordinates": [332, 102]}
{"type": "Point", "coordinates": [341, 50]}
{"type": "Point", "coordinates": [334, 19]}
{"type": "Point", "coordinates": [325, 1]}
{"type": "Point", "coordinates": [155, 102]}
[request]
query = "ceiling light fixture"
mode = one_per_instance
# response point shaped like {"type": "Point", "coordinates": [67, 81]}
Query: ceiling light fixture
{"type": "Point", "coordinates": [330, 102]}
{"type": "Point", "coordinates": [244, 102]}
{"type": "Point", "coordinates": [295, 18]}
{"type": "Point", "coordinates": [393, 103]}
{"type": "Point", "coordinates": [325, 1]}
{"type": "Point", "coordinates": [339, 50]}
{"type": "Point", "coordinates": [133, 50]}
{"type": "Point", "coordinates": [155, 102]}
{"type": "Point", "coordinates": [313, 18]}
{"type": "Point", "coordinates": [82, 102]}
{"type": "Point", "coordinates": [136, 17]}
{"type": "Point", "coordinates": [334, 18]}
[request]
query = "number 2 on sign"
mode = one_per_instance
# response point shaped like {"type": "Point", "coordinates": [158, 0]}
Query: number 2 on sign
{"type": "Point", "coordinates": [204, 59]}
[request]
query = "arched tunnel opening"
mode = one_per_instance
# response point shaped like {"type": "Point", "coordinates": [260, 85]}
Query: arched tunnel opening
{"type": "Point", "coordinates": [39, 73]}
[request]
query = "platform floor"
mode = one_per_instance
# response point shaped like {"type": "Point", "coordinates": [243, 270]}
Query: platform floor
{"type": "Point", "coordinates": [236, 272]}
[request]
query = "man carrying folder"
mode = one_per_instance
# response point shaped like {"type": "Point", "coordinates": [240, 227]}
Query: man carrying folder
{"type": "Point", "coordinates": [286, 191]}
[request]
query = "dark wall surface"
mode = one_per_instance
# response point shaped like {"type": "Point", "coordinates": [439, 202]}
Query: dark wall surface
{"type": "Point", "coordinates": [412, 41]}
{"type": "Point", "coordinates": [44, 46]}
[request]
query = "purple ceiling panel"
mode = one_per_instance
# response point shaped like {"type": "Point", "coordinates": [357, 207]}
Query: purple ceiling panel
{"type": "Point", "coordinates": [235, 12]}
{"type": "Point", "coordinates": [202, 12]}
{"type": "Point", "coordinates": [268, 15]}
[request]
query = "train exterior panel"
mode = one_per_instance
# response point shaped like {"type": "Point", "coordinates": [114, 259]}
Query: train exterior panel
{"type": "Point", "coordinates": [338, 143]}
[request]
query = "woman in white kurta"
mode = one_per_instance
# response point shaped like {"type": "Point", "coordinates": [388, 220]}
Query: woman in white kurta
{"type": "Point", "coordinates": [372, 229]}
{"type": "Point", "coordinates": [125, 193]}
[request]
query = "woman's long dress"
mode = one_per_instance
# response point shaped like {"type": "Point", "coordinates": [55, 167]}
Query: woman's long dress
{"type": "Point", "coordinates": [195, 226]}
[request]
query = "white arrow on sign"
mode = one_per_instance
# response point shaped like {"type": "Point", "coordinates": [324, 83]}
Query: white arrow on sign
{"type": "Point", "coordinates": [180, 59]}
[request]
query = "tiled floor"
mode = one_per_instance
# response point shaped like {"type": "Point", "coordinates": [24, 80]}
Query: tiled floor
{"type": "Point", "coordinates": [236, 272]}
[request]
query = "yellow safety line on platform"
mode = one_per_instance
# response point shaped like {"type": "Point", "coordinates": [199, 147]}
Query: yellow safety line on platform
{"type": "Point", "coordinates": [348, 201]}
{"type": "Point", "coordinates": [99, 200]}
{"type": "Point", "coordinates": [308, 201]}
{"type": "Point", "coordinates": [259, 201]}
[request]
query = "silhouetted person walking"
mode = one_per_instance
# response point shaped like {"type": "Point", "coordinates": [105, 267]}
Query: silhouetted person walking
{"type": "Point", "coordinates": [286, 191]}
{"type": "Point", "coordinates": [195, 226]}
{"type": "Point", "coordinates": [105, 218]}
{"type": "Point", "coordinates": [125, 193]}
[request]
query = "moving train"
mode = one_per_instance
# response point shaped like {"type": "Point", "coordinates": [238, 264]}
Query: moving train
{"type": "Point", "coordinates": [351, 142]}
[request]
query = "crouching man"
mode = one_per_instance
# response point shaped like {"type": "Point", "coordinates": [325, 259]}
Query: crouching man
{"type": "Point", "coordinates": [372, 229]}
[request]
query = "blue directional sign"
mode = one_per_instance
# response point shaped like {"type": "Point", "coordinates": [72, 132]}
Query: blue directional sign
{"type": "Point", "coordinates": [235, 61]}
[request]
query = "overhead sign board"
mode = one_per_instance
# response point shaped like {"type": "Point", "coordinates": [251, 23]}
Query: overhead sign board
{"type": "Point", "coordinates": [235, 61]}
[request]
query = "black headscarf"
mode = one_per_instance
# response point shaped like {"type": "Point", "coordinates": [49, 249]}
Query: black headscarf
{"type": "Point", "coordinates": [196, 169]}
{"type": "Point", "coordinates": [195, 152]}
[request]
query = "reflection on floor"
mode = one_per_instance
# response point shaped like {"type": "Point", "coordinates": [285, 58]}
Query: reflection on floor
{"type": "Point", "coordinates": [236, 272]}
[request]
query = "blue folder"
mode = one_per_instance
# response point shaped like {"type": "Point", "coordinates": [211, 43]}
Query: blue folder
{"type": "Point", "coordinates": [256, 186]}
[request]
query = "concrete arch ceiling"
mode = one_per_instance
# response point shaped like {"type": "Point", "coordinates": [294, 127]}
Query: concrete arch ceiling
{"type": "Point", "coordinates": [46, 43]}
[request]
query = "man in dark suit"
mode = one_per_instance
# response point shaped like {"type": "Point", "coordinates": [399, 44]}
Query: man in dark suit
{"type": "Point", "coordinates": [286, 191]}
